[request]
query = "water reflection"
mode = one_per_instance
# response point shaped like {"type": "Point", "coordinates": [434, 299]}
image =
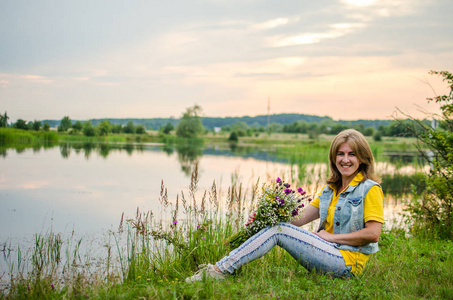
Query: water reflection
{"type": "Point", "coordinates": [102, 149]}
{"type": "Point", "coordinates": [404, 158]}
{"type": "Point", "coordinates": [189, 154]}
{"type": "Point", "coordinates": [400, 173]}
{"type": "Point", "coordinates": [400, 184]}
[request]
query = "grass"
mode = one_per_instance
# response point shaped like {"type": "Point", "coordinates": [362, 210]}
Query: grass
{"type": "Point", "coordinates": [13, 137]}
{"type": "Point", "coordinates": [150, 255]}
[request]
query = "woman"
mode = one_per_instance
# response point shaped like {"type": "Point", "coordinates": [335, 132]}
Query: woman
{"type": "Point", "coordinates": [350, 207]}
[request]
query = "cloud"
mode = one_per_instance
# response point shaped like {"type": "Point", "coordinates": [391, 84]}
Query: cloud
{"type": "Point", "coordinates": [372, 9]}
{"type": "Point", "coordinates": [34, 185]}
{"type": "Point", "coordinates": [4, 83]}
{"type": "Point", "coordinates": [274, 23]}
{"type": "Point", "coordinates": [334, 31]}
{"type": "Point", "coordinates": [37, 79]}
{"type": "Point", "coordinates": [359, 3]}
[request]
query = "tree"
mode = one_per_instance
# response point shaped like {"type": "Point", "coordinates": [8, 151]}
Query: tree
{"type": "Point", "coordinates": [167, 128]}
{"type": "Point", "coordinates": [88, 129]}
{"type": "Point", "coordinates": [369, 131]}
{"type": "Point", "coordinates": [104, 128]}
{"type": "Point", "coordinates": [116, 128]}
{"type": "Point", "coordinates": [4, 120]}
{"type": "Point", "coordinates": [37, 125]}
{"type": "Point", "coordinates": [140, 129]}
{"type": "Point", "coordinates": [433, 212]}
{"type": "Point", "coordinates": [190, 125]}
{"type": "Point", "coordinates": [65, 124]}
{"type": "Point", "coordinates": [233, 137]}
{"type": "Point", "coordinates": [240, 128]}
{"type": "Point", "coordinates": [377, 137]}
{"type": "Point", "coordinates": [77, 126]}
{"type": "Point", "coordinates": [130, 128]}
{"type": "Point", "coordinates": [46, 127]}
{"type": "Point", "coordinates": [21, 124]}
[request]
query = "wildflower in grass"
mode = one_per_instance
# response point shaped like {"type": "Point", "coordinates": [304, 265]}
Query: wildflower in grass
{"type": "Point", "coordinates": [277, 203]}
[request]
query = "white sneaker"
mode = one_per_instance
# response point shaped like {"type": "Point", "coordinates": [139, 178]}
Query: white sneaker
{"type": "Point", "coordinates": [208, 271]}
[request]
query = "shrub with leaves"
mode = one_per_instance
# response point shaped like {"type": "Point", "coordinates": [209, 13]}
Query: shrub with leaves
{"type": "Point", "coordinates": [432, 211]}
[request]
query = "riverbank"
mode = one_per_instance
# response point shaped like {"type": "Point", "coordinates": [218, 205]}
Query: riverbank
{"type": "Point", "coordinates": [404, 268]}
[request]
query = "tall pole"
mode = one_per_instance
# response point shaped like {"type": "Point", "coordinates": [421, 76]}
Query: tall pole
{"type": "Point", "coordinates": [268, 113]}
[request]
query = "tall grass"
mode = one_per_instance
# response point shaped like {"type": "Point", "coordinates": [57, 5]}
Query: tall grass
{"type": "Point", "coordinates": [11, 136]}
{"type": "Point", "coordinates": [167, 248]}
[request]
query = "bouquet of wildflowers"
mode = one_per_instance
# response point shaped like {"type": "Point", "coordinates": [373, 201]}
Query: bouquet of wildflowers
{"type": "Point", "coordinates": [277, 203]}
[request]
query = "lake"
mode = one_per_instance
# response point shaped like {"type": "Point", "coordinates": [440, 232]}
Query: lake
{"type": "Point", "coordinates": [85, 188]}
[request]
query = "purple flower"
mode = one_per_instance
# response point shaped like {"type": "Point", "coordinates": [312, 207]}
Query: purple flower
{"type": "Point", "coordinates": [281, 201]}
{"type": "Point", "coordinates": [175, 222]}
{"type": "Point", "coordinates": [300, 190]}
{"type": "Point", "coordinates": [28, 287]}
{"type": "Point", "coordinates": [302, 205]}
{"type": "Point", "coordinates": [288, 191]}
{"type": "Point", "coordinates": [278, 180]}
{"type": "Point", "coordinates": [295, 212]}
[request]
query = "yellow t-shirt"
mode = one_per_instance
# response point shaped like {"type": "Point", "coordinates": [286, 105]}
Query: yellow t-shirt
{"type": "Point", "coordinates": [373, 211]}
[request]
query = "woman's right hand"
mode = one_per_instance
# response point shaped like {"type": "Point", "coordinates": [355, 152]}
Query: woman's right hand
{"type": "Point", "coordinates": [251, 218]}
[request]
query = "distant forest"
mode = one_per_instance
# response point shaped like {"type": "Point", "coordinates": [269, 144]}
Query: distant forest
{"type": "Point", "coordinates": [212, 122]}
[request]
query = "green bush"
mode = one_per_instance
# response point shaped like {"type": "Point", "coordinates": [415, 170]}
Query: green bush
{"type": "Point", "coordinates": [233, 137]}
{"type": "Point", "coordinates": [432, 211]}
{"type": "Point", "coordinates": [377, 137]}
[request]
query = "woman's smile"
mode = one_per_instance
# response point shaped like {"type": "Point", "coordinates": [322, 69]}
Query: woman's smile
{"type": "Point", "coordinates": [346, 161]}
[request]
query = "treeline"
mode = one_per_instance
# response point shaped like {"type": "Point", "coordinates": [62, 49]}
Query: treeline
{"type": "Point", "coordinates": [236, 126]}
{"type": "Point", "coordinates": [314, 129]}
{"type": "Point", "coordinates": [210, 123]}
{"type": "Point", "coordinates": [22, 124]}
{"type": "Point", "coordinates": [67, 125]}
{"type": "Point", "coordinates": [104, 128]}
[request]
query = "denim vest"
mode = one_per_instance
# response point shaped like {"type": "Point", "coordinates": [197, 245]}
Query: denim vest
{"type": "Point", "coordinates": [349, 213]}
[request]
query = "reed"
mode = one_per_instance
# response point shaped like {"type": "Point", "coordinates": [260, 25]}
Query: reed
{"type": "Point", "coordinates": [12, 137]}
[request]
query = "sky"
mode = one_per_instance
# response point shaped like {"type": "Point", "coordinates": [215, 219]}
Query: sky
{"type": "Point", "coordinates": [347, 59]}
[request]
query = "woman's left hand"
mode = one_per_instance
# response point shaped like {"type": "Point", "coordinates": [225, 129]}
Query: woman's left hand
{"type": "Point", "coordinates": [369, 234]}
{"type": "Point", "coordinates": [326, 236]}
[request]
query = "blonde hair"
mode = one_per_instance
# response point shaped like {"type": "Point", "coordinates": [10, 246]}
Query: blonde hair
{"type": "Point", "coordinates": [361, 149]}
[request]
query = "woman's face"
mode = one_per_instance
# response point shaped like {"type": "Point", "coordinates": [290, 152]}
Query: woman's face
{"type": "Point", "coordinates": [347, 162]}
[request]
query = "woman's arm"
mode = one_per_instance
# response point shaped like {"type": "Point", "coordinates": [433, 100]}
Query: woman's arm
{"type": "Point", "coordinates": [310, 213]}
{"type": "Point", "coordinates": [369, 234]}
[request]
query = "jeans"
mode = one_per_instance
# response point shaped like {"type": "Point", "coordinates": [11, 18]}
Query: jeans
{"type": "Point", "coordinates": [307, 248]}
